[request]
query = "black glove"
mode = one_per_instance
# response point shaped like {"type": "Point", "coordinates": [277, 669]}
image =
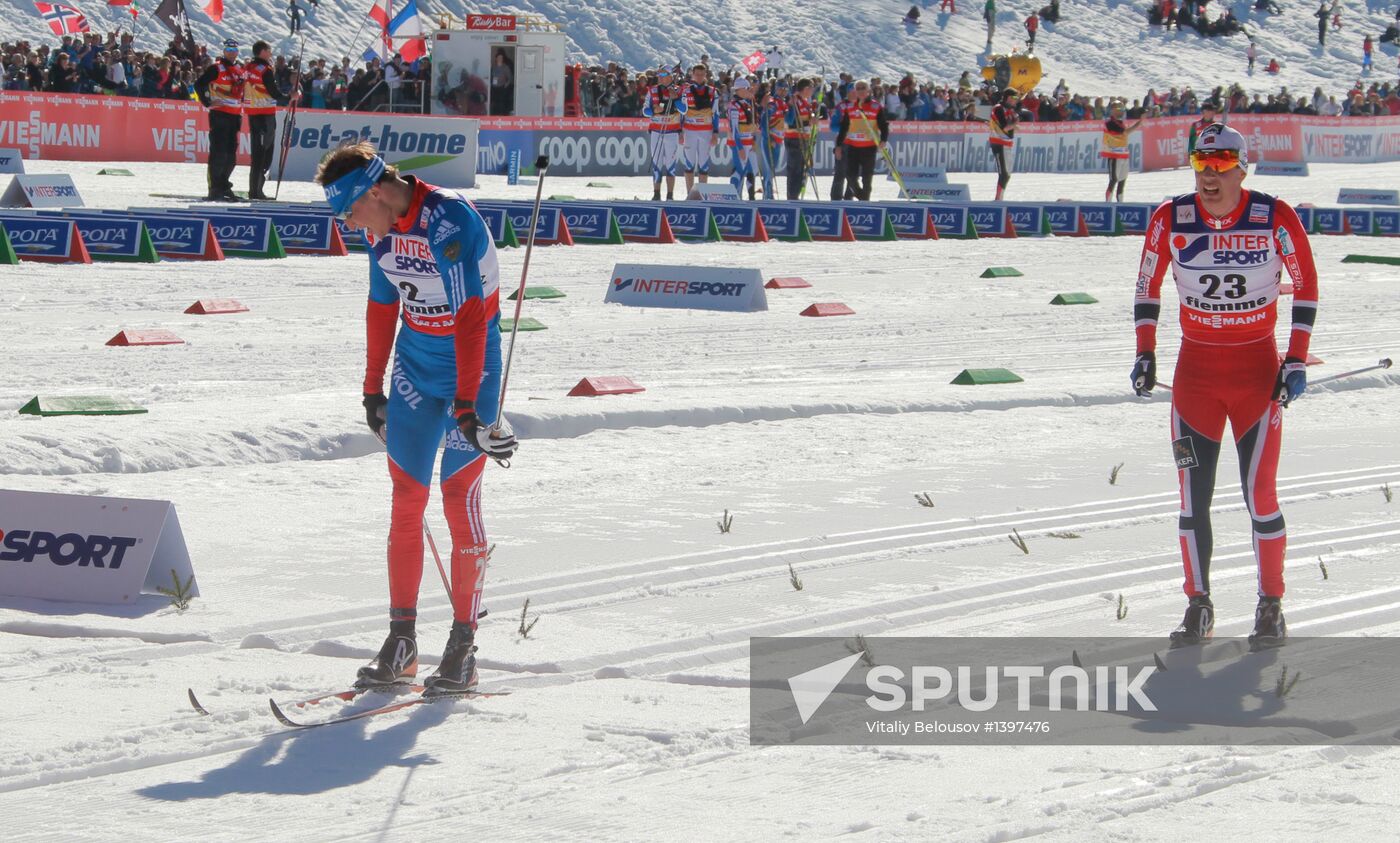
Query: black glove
{"type": "Point", "coordinates": [375, 415]}
{"type": "Point", "coordinates": [1292, 380]}
{"type": "Point", "coordinates": [497, 444]}
{"type": "Point", "coordinates": [1145, 373]}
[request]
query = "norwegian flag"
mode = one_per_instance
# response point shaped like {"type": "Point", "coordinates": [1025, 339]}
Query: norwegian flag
{"type": "Point", "coordinates": [753, 62]}
{"type": "Point", "coordinates": [63, 20]}
{"type": "Point", "coordinates": [401, 28]}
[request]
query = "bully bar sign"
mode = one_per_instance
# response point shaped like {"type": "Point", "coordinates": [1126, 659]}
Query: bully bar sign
{"type": "Point", "coordinates": [440, 150]}
{"type": "Point", "coordinates": [691, 287]}
{"type": "Point", "coordinates": [88, 549]}
{"type": "Point", "coordinates": [493, 23]}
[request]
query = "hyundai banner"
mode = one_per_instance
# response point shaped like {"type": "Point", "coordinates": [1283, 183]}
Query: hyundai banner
{"type": "Point", "coordinates": [690, 287]}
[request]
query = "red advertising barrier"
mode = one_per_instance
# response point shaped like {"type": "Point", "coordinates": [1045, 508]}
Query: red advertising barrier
{"type": "Point", "coordinates": [99, 128]}
{"type": "Point", "coordinates": [71, 127]}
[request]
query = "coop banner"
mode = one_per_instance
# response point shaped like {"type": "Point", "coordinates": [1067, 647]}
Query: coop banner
{"type": "Point", "coordinates": [1072, 691]}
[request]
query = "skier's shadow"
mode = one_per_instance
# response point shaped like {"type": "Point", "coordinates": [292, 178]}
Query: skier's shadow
{"type": "Point", "coordinates": [312, 761]}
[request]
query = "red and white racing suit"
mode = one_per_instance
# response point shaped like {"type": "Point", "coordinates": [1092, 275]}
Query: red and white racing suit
{"type": "Point", "coordinates": [1227, 272]}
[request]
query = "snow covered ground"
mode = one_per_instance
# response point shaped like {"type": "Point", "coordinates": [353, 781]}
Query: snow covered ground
{"type": "Point", "coordinates": [629, 713]}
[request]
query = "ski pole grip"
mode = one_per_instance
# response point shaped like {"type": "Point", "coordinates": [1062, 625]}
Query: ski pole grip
{"type": "Point", "coordinates": [542, 163]}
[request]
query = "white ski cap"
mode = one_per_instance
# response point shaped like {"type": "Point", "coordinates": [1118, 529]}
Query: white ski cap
{"type": "Point", "coordinates": [1219, 136]}
{"type": "Point", "coordinates": [740, 84]}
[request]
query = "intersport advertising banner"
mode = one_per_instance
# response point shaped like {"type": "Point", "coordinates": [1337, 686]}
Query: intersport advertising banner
{"type": "Point", "coordinates": [97, 128]}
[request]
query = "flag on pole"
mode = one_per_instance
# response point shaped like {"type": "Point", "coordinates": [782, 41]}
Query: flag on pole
{"type": "Point", "coordinates": [63, 20]}
{"type": "Point", "coordinates": [753, 62]}
{"type": "Point", "coordinates": [399, 31]}
{"type": "Point", "coordinates": [172, 14]}
{"type": "Point", "coordinates": [215, 10]}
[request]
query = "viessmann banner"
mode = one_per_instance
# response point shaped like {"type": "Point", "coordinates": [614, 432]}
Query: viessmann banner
{"type": "Point", "coordinates": [93, 128]}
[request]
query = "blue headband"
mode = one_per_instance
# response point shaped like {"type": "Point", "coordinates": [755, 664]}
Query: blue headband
{"type": "Point", "coordinates": [346, 190]}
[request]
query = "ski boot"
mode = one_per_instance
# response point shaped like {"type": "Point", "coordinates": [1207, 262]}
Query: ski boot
{"type": "Point", "coordinates": [396, 663]}
{"type": "Point", "coordinates": [656, 194]}
{"type": "Point", "coordinates": [1198, 625]}
{"type": "Point", "coordinates": [1270, 630]}
{"type": "Point", "coordinates": [456, 673]}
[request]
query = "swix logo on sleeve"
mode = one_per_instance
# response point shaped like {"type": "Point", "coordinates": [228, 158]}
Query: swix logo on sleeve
{"type": "Point", "coordinates": [66, 549]}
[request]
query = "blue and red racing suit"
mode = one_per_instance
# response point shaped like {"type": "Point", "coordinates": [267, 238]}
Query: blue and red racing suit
{"type": "Point", "coordinates": [436, 273]}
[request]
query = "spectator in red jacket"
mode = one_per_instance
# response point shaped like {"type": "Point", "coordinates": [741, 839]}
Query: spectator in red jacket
{"type": "Point", "coordinates": [1032, 24]}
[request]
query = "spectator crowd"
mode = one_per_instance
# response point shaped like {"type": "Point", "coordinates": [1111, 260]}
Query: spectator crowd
{"type": "Point", "coordinates": [91, 63]}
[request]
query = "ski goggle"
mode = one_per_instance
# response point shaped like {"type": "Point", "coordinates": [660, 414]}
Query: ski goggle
{"type": "Point", "coordinates": [346, 190]}
{"type": "Point", "coordinates": [1219, 160]}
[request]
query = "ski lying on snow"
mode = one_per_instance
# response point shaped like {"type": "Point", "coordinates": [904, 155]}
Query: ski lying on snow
{"type": "Point", "coordinates": [343, 694]}
{"type": "Point", "coordinates": [383, 709]}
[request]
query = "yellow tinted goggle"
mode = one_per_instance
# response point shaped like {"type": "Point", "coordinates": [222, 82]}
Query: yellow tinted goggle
{"type": "Point", "coordinates": [1219, 160]}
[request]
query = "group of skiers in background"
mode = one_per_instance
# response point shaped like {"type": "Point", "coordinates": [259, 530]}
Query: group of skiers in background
{"type": "Point", "coordinates": [773, 123]}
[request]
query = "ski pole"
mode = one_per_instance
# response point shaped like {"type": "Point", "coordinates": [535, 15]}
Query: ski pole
{"type": "Point", "coordinates": [427, 531]}
{"type": "Point", "coordinates": [1383, 363]}
{"type": "Point", "coordinates": [541, 165]}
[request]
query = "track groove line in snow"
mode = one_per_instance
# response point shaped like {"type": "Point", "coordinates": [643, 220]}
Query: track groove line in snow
{"type": "Point", "coordinates": [578, 591]}
{"type": "Point", "coordinates": [888, 616]}
{"type": "Point", "coordinates": [713, 651]}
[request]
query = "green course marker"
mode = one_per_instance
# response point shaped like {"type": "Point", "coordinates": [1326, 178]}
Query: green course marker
{"type": "Point", "coordinates": [114, 171]}
{"type": "Point", "coordinates": [510, 238]}
{"type": "Point", "coordinates": [977, 377]}
{"type": "Point", "coordinates": [1074, 298]}
{"type": "Point", "coordinates": [1000, 272]}
{"type": "Point", "coordinates": [1394, 261]}
{"type": "Point", "coordinates": [538, 293]}
{"type": "Point", "coordinates": [81, 405]}
{"type": "Point", "coordinates": [598, 184]}
{"type": "Point", "coordinates": [526, 324]}
{"type": "Point", "coordinates": [7, 252]}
